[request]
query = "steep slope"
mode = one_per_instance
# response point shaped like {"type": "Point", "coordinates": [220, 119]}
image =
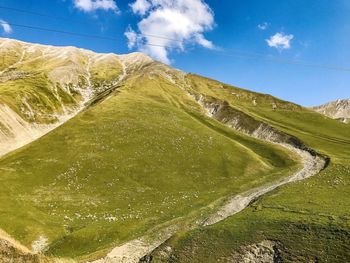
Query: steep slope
{"type": "Point", "coordinates": [313, 163]}
{"type": "Point", "coordinates": [303, 222]}
{"type": "Point", "coordinates": [140, 155]}
{"type": "Point", "coordinates": [146, 152]}
{"type": "Point", "coordinates": [42, 87]}
{"type": "Point", "coordinates": [339, 110]}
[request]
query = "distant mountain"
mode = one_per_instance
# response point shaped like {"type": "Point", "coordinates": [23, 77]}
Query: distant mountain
{"type": "Point", "coordinates": [339, 109]}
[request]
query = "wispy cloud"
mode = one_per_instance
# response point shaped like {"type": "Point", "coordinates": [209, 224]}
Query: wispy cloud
{"type": "Point", "coordinates": [93, 5]}
{"type": "Point", "coordinates": [264, 26]}
{"type": "Point", "coordinates": [133, 38]}
{"type": "Point", "coordinates": [6, 28]}
{"type": "Point", "coordinates": [280, 41]}
{"type": "Point", "coordinates": [184, 21]}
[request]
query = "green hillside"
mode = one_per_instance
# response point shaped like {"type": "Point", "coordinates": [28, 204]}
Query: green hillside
{"type": "Point", "coordinates": [101, 150]}
{"type": "Point", "coordinates": [308, 221]}
{"type": "Point", "coordinates": [138, 157]}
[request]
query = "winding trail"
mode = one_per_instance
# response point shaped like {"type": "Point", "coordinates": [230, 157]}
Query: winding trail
{"type": "Point", "coordinates": [133, 251]}
{"type": "Point", "coordinates": [313, 163]}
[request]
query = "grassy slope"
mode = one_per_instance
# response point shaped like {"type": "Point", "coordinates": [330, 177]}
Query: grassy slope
{"type": "Point", "coordinates": [138, 159]}
{"type": "Point", "coordinates": [28, 81]}
{"type": "Point", "coordinates": [310, 218]}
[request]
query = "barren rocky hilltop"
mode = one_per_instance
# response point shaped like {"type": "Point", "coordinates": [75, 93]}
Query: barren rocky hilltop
{"type": "Point", "coordinates": [339, 109]}
{"type": "Point", "coordinates": [120, 158]}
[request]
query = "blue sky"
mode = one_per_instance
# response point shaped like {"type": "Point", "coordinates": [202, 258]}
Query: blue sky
{"type": "Point", "coordinates": [208, 36]}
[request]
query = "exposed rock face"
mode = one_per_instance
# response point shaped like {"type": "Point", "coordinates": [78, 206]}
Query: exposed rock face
{"type": "Point", "coordinates": [264, 252]}
{"type": "Point", "coordinates": [11, 254]}
{"type": "Point", "coordinates": [240, 121]}
{"type": "Point", "coordinates": [339, 110]}
{"type": "Point", "coordinates": [344, 120]}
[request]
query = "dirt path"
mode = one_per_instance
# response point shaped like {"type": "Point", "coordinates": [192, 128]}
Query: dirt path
{"type": "Point", "coordinates": [312, 165]}
{"type": "Point", "coordinates": [133, 251]}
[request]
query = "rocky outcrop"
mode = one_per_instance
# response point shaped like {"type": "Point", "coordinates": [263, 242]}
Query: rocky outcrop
{"type": "Point", "coordinates": [266, 251]}
{"type": "Point", "coordinates": [344, 120]}
{"type": "Point", "coordinates": [11, 254]}
{"type": "Point", "coordinates": [242, 122]}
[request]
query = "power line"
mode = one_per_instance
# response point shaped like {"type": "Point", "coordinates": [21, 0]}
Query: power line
{"type": "Point", "coordinates": [39, 14]}
{"type": "Point", "coordinates": [234, 53]}
{"type": "Point", "coordinates": [75, 21]}
{"type": "Point", "coordinates": [83, 35]}
{"type": "Point", "coordinates": [73, 33]}
{"type": "Point", "coordinates": [60, 31]}
{"type": "Point", "coordinates": [229, 53]}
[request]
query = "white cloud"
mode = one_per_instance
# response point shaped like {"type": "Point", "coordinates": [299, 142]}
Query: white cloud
{"type": "Point", "coordinates": [204, 42]}
{"type": "Point", "coordinates": [133, 38]}
{"type": "Point", "coordinates": [264, 26]}
{"type": "Point", "coordinates": [140, 6]}
{"type": "Point", "coordinates": [184, 21]}
{"type": "Point", "coordinates": [93, 5]}
{"type": "Point", "coordinates": [280, 41]}
{"type": "Point", "coordinates": [5, 27]}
